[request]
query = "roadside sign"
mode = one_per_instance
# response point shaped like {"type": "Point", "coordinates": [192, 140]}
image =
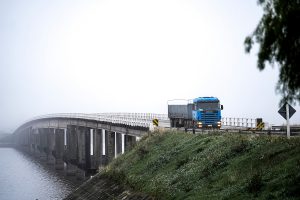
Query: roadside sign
{"type": "Point", "coordinates": [260, 126]}
{"type": "Point", "coordinates": [155, 122]}
{"type": "Point", "coordinates": [287, 111]}
{"type": "Point", "coordinates": [282, 111]}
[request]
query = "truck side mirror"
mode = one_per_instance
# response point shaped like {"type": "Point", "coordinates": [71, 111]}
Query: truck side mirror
{"type": "Point", "coordinates": [222, 107]}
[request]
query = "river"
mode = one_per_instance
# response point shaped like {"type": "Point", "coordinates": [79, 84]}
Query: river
{"type": "Point", "coordinates": [24, 178]}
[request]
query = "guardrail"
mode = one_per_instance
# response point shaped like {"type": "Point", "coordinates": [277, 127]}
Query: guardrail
{"type": "Point", "coordinates": [141, 119]}
{"type": "Point", "coordinates": [239, 122]}
{"type": "Point", "coordinates": [130, 119]}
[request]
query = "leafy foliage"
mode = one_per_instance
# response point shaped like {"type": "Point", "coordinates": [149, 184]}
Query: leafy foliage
{"type": "Point", "coordinates": [278, 35]}
{"type": "Point", "coordinates": [215, 166]}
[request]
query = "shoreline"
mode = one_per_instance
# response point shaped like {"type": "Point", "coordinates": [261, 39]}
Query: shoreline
{"type": "Point", "coordinates": [7, 145]}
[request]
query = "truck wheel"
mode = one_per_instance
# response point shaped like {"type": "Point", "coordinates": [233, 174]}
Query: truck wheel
{"type": "Point", "coordinates": [172, 123]}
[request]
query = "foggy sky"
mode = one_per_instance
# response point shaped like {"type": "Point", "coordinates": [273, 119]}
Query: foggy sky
{"type": "Point", "coordinates": [130, 56]}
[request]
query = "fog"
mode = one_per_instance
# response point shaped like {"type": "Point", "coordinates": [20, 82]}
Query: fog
{"type": "Point", "coordinates": [130, 56]}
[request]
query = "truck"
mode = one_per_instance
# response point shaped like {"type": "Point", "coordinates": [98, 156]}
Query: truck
{"type": "Point", "coordinates": [201, 112]}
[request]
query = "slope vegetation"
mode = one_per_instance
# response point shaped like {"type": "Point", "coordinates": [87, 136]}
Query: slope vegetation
{"type": "Point", "coordinates": [176, 165]}
{"type": "Point", "coordinates": [184, 166]}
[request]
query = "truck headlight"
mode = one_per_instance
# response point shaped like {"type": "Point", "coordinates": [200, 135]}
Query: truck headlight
{"type": "Point", "coordinates": [199, 124]}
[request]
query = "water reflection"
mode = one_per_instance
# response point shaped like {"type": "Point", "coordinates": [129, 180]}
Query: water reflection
{"type": "Point", "coordinates": [23, 177]}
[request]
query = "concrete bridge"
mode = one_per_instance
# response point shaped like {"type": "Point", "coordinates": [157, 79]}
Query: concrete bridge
{"type": "Point", "coordinates": [81, 143]}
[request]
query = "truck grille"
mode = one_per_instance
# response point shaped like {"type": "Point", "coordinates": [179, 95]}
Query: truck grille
{"type": "Point", "coordinates": [209, 117]}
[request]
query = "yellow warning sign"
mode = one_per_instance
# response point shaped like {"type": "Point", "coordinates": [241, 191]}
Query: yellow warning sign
{"type": "Point", "coordinates": [155, 122]}
{"type": "Point", "coordinates": [260, 125]}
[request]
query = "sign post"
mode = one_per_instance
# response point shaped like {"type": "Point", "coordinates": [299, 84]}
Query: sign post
{"type": "Point", "coordinates": [287, 111]}
{"type": "Point", "coordinates": [287, 121]}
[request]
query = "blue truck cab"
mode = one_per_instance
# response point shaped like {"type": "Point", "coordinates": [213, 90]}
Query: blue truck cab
{"type": "Point", "coordinates": [206, 112]}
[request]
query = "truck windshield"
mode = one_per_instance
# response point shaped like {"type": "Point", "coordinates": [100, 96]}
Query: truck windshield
{"type": "Point", "coordinates": [208, 105]}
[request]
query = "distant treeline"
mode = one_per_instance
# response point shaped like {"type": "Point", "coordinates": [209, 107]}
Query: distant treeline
{"type": "Point", "coordinates": [6, 138]}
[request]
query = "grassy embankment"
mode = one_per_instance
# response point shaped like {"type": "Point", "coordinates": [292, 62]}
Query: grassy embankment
{"type": "Point", "coordinates": [184, 166]}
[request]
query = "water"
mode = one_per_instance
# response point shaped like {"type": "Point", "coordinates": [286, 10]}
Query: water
{"type": "Point", "coordinates": [24, 178]}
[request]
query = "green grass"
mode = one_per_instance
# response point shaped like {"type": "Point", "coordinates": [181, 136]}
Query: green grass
{"type": "Point", "coordinates": [216, 166]}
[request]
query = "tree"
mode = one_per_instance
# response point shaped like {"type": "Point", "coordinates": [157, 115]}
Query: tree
{"type": "Point", "coordinates": [278, 36]}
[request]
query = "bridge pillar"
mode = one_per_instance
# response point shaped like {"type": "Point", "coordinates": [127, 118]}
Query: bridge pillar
{"type": "Point", "coordinates": [36, 140]}
{"type": "Point", "coordinates": [72, 148]}
{"type": "Point", "coordinates": [20, 139]}
{"type": "Point", "coordinates": [104, 158]}
{"type": "Point", "coordinates": [59, 148]}
{"type": "Point", "coordinates": [83, 151]}
{"type": "Point", "coordinates": [97, 148]}
{"type": "Point", "coordinates": [80, 132]}
{"type": "Point", "coordinates": [129, 142]}
{"type": "Point", "coordinates": [88, 149]}
{"type": "Point", "coordinates": [71, 144]}
{"type": "Point", "coordinates": [110, 146]}
{"type": "Point", "coordinates": [118, 143]}
{"type": "Point", "coordinates": [83, 138]}
{"type": "Point", "coordinates": [31, 140]}
{"type": "Point", "coordinates": [50, 146]}
{"type": "Point", "coordinates": [43, 144]}
{"type": "Point", "coordinates": [26, 140]}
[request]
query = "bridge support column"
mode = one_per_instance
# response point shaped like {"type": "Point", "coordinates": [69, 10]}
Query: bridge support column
{"type": "Point", "coordinates": [36, 141]}
{"type": "Point", "coordinates": [129, 142]}
{"type": "Point", "coordinates": [81, 133]}
{"type": "Point", "coordinates": [43, 144]}
{"type": "Point", "coordinates": [110, 146]}
{"type": "Point", "coordinates": [26, 140]}
{"type": "Point", "coordinates": [88, 149]}
{"type": "Point", "coordinates": [118, 143]}
{"type": "Point", "coordinates": [97, 147]}
{"type": "Point", "coordinates": [20, 139]}
{"type": "Point", "coordinates": [83, 138]}
{"type": "Point", "coordinates": [104, 157]}
{"type": "Point", "coordinates": [81, 147]}
{"type": "Point", "coordinates": [59, 148]}
{"type": "Point", "coordinates": [71, 145]}
{"type": "Point", "coordinates": [50, 146]}
{"type": "Point", "coordinates": [72, 148]}
{"type": "Point", "coordinates": [31, 140]}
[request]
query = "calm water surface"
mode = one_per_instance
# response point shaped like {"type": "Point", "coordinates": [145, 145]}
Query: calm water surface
{"type": "Point", "coordinates": [23, 177]}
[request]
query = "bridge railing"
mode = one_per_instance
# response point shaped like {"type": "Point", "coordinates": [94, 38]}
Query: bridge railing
{"type": "Point", "coordinates": [130, 119]}
{"type": "Point", "coordinates": [140, 119]}
{"type": "Point", "coordinates": [239, 122]}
